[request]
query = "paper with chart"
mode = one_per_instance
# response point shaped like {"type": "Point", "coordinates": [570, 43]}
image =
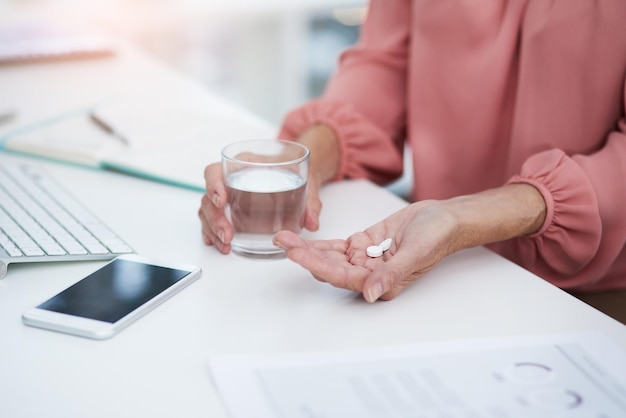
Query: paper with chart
{"type": "Point", "coordinates": [574, 375]}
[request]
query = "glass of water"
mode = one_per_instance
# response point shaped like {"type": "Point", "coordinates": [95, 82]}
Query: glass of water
{"type": "Point", "coordinates": [266, 185]}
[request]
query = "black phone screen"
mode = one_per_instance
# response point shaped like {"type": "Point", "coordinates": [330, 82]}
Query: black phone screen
{"type": "Point", "coordinates": [114, 291]}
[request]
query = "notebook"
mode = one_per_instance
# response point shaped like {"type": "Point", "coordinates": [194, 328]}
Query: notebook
{"type": "Point", "coordinates": [168, 134]}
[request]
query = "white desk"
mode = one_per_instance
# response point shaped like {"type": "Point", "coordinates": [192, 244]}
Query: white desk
{"type": "Point", "coordinates": [158, 367]}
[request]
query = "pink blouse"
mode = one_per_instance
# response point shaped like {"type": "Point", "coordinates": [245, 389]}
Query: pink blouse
{"type": "Point", "coordinates": [494, 92]}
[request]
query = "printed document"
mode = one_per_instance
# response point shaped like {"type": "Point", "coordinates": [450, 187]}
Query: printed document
{"type": "Point", "coordinates": [573, 375]}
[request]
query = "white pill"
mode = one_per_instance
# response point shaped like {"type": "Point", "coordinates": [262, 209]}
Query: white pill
{"type": "Point", "coordinates": [374, 251]}
{"type": "Point", "coordinates": [386, 244]}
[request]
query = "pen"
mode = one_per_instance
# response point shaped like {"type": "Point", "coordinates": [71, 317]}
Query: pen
{"type": "Point", "coordinates": [107, 128]}
{"type": "Point", "coordinates": [6, 115]}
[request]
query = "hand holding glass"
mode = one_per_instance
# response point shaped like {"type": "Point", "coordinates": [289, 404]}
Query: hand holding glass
{"type": "Point", "coordinates": [266, 185]}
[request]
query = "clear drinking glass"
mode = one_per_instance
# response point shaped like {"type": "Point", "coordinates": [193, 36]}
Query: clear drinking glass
{"type": "Point", "coordinates": [266, 184]}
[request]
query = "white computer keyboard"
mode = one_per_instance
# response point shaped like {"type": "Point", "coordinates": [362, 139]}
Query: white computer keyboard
{"type": "Point", "coordinates": [40, 221]}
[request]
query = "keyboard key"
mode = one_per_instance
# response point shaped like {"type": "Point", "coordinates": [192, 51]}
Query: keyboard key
{"type": "Point", "coordinates": [8, 246]}
{"type": "Point", "coordinates": [38, 218]}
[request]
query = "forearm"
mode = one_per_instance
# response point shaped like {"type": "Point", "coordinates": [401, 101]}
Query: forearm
{"type": "Point", "coordinates": [325, 153]}
{"type": "Point", "coordinates": [496, 215]}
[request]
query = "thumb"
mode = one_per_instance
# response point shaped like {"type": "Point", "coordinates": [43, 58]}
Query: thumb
{"type": "Point", "coordinates": [388, 280]}
{"type": "Point", "coordinates": [288, 240]}
{"type": "Point", "coordinates": [313, 207]}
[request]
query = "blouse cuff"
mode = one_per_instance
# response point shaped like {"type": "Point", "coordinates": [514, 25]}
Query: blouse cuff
{"type": "Point", "coordinates": [365, 151]}
{"type": "Point", "coordinates": [572, 228]}
{"type": "Point", "coordinates": [547, 197]}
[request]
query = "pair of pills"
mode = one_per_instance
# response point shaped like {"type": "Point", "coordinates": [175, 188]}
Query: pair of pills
{"type": "Point", "coordinates": [378, 250]}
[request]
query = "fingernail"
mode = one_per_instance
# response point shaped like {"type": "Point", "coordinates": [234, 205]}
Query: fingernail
{"type": "Point", "coordinates": [278, 244]}
{"type": "Point", "coordinates": [220, 235]}
{"type": "Point", "coordinates": [374, 292]}
{"type": "Point", "coordinates": [215, 199]}
{"type": "Point", "coordinates": [315, 216]}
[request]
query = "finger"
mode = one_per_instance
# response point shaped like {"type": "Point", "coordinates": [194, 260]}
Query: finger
{"type": "Point", "coordinates": [214, 183]}
{"type": "Point", "coordinates": [313, 207]}
{"type": "Point", "coordinates": [325, 259]}
{"type": "Point", "coordinates": [211, 238]}
{"type": "Point", "coordinates": [357, 248]}
{"type": "Point", "coordinates": [386, 284]}
{"type": "Point", "coordinates": [391, 278]}
{"type": "Point", "coordinates": [330, 267]}
{"type": "Point", "coordinates": [288, 240]}
{"type": "Point", "coordinates": [207, 234]}
{"type": "Point", "coordinates": [216, 229]}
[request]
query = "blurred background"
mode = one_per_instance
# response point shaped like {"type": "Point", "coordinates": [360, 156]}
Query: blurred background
{"type": "Point", "coordinates": [267, 55]}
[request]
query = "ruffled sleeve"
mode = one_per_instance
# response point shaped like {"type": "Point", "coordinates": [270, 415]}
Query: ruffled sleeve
{"type": "Point", "coordinates": [564, 244]}
{"type": "Point", "coordinates": [584, 232]}
{"type": "Point", "coordinates": [366, 152]}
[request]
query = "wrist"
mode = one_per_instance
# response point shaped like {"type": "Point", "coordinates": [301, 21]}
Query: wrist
{"type": "Point", "coordinates": [324, 151]}
{"type": "Point", "coordinates": [497, 214]}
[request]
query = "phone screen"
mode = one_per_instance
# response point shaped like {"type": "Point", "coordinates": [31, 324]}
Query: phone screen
{"type": "Point", "coordinates": [114, 291]}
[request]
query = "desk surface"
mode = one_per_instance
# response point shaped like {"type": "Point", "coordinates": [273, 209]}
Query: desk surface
{"type": "Point", "coordinates": [159, 365]}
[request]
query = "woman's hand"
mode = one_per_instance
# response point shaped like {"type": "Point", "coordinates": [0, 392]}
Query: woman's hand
{"type": "Point", "coordinates": [217, 229]}
{"type": "Point", "coordinates": [423, 234]}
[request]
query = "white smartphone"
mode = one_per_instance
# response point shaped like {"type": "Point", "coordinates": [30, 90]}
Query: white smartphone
{"type": "Point", "coordinates": [112, 297]}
